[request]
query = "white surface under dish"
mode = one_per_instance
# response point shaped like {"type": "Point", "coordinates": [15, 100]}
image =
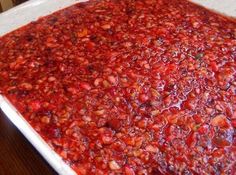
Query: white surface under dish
{"type": "Point", "coordinates": [31, 11]}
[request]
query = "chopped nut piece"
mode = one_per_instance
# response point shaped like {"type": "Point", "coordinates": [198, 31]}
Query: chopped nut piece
{"type": "Point", "coordinates": [99, 112]}
{"type": "Point", "coordinates": [82, 33]}
{"type": "Point", "coordinates": [51, 79]}
{"type": "Point", "coordinates": [155, 112]}
{"type": "Point", "coordinates": [219, 120]}
{"type": "Point", "coordinates": [45, 119]}
{"type": "Point", "coordinates": [151, 148]}
{"type": "Point", "coordinates": [98, 81]}
{"type": "Point", "coordinates": [85, 86]}
{"type": "Point", "coordinates": [106, 84]}
{"type": "Point", "coordinates": [113, 165]}
{"type": "Point", "coordinates": [106, 26]}
{"type": "Point", "coordinates": [26, 86]}
{"type": "Point", "coordinates": [112, 79]}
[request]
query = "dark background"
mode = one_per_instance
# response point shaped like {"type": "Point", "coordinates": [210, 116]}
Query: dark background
{"type": "Point", "coordinates": [18, 1]}
{"type": "Point", "coordinates": [15, 2]}
{"type": "Point", "coordinates": [17, 155]}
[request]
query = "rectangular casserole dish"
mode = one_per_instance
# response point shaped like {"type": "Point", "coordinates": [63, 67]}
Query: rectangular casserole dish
{"type": "Point", "coordinates": [32, 10]}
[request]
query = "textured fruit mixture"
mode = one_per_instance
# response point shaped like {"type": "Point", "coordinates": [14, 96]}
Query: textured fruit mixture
{"type": "Point", "coordinates": [129, 87]}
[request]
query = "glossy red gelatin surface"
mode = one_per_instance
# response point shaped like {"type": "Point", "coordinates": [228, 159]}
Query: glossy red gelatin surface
{"type": "Point", "coordinates": [128, 87]}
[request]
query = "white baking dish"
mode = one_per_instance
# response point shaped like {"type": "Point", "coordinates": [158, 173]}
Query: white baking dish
{"type": "Point", "coordinates": [31, 11]}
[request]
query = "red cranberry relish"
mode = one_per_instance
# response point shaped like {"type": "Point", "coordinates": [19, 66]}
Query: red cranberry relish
{"type": "Point", "coordinates": [128, 87]}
